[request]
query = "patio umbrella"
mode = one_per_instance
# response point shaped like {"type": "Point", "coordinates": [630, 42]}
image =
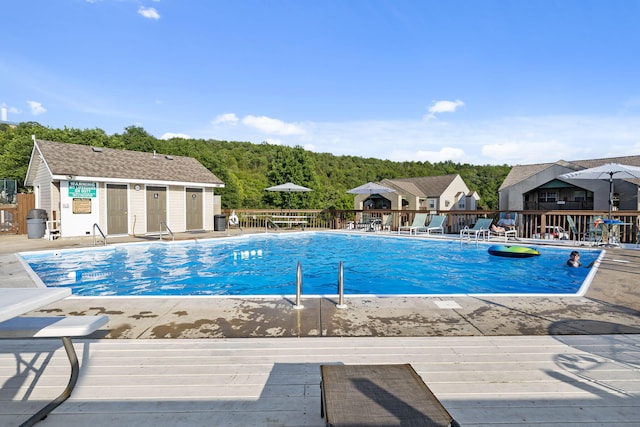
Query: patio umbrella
{"type": "Point", "coordinates": [371, 188]}
{"type": "Point", "coordinates": [289, 187]}
{"type": "Point", "coordinates": [608, 171]}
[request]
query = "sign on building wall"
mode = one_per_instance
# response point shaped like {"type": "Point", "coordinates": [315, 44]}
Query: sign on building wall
{"type": "Point", "coordinates": [82, 189]}
{"type": "Point", "coordinates": [81, 206]}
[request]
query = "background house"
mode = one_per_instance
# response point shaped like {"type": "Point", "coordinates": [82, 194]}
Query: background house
{"type": "Point", "coordinates": [124, 192]}
{"type": "Point", "coordinates": [537, 187]}
{"type": "Point", "coordinates": [431, 193]}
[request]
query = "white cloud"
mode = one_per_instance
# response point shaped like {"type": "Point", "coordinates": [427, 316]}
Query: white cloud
{"type": "Point", "coordinates": [36, 108]}
{"type": "Point", "coordinates": [149, 12]}
{"type": "Point", "coordinates": [228, 119]}
{"type": "Point", "coordinates": [170, 135]}
{"type": "Point", "coordinates": [443, 107]}
{"type": "Point", "coordinates": [502, 140]}
{"type": "Point", "coordinates": [272, 126]}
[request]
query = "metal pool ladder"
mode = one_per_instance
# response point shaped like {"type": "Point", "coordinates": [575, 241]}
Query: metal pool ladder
{"type": "Point", "coordinates": [104, 238]}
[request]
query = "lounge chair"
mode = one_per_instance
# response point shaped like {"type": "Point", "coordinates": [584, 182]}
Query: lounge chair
{"type": "Point", "coordinates": [435, 225]}
{"type": "Point", "coordinates": [418, 223]}
{"type": "Point", "coordinates": [508, 232]}
{"type": "Point", "coordinates": [481, 227]}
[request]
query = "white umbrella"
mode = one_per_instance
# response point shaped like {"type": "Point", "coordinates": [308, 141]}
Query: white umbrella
{"type": "Point", "coordinates": [371, 188]}
{"type": "Point", "coordinates": [608, 171]}
{"type": "Point", "coordinates": [289, 187]}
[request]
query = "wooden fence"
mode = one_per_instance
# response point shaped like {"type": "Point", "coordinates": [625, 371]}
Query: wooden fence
{"type": "Point", "coordinates": [530, 224]}
{"type": "Point", "coordinates": [13, 218]}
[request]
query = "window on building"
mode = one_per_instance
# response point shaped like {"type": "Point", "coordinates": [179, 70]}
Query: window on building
{"type": "Point", "coordinates": [579, 196]}
{"type": "Point", "coordinates": [548, 196]}
{"type": "Point", "coordinates": [432, 203]}
{"type": "Point", "coordinates": [461, 203]}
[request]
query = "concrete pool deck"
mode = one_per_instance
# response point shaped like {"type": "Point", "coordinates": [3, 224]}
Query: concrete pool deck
{"type": "Point", "coordinates": [611, 305]}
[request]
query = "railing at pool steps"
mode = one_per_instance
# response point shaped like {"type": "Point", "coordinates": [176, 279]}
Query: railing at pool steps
{"type": "Point", "coordinates": [168, 229]}
{"type": "Point", "coordinates": [269, 222]}
{"type": "Point", "coordinates": [104, 238]}
{"type": "Point", "coordinates": [298, 305]}
{"type": "Point", "coordinates": [341, 303]}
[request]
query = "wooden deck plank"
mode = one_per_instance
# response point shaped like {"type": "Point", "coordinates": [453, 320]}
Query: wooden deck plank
{"type": "Point", "coordinates": [543, 380]}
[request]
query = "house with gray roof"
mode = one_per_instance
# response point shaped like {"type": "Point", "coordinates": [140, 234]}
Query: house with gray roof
{"type": "Point", "coordinates": [429, 193]}
{"type": "Point", "coordinates": [538, 187]}
{"type": "Point", "coordinates": [123, 192]}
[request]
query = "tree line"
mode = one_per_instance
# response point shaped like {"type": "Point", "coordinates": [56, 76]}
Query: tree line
{"type": "Point", "coordinates": [247, 168]}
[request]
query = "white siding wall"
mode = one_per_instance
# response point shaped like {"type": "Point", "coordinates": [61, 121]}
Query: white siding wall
{"type": "Point", "coordinates": [176, 214]}
{"type": "Point", "coordinates": [457, 186]}
{"type": "Point", "coordinates": [137, 210]}
{"type": "Point", "coordinates": [212, 206]}
{"type": "Point", "coordinates": [43, 182]}
{"type": "Point", "coordinates": [78, 224]}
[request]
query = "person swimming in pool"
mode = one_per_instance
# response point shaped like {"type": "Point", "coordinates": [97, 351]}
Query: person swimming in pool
{"type": "Point", "coordinates": [574, 260]}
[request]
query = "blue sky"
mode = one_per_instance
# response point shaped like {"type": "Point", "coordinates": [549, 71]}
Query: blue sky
{"type": "Point", "coordinates": [480, 82]}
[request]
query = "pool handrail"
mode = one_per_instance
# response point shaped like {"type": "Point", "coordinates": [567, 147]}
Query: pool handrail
{"type": "Point", "coordinates": [104, 238]}
{"type": "Point", "coordinates": [173, 237]}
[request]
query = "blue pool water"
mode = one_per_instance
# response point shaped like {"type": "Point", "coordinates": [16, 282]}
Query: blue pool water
{"type": "Point", "coordinates": [266, 265]}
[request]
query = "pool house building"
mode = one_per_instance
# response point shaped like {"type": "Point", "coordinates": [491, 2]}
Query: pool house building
{"type": "Point", "coordinates": [82, 188]}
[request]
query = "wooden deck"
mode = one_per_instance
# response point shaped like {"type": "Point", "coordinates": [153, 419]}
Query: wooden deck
{"type": "Point", "coordinates": [585, 380]}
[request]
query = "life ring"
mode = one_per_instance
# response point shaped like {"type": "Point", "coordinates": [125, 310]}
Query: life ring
{"type": "Point", "coordinates": [233, 219]}
{"type": "Point", "coordinates": [513, 251]}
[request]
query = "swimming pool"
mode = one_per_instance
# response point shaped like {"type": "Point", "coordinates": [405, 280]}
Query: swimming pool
{"type": "Point", "coordinates": [266, 264]}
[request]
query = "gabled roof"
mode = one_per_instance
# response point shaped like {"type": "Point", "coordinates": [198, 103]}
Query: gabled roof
{"type": "Point", "coordinates": [426, 186]}
{"type": "Point", "coordinates": [520, 173]}
{"type": "Point", "coordinates": [108, 164]}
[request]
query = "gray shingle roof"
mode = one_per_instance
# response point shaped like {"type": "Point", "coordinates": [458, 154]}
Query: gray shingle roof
{"type": "Point", "coordinates": [426, 186]}
{"type": "Point", "coordinates": [108, 163]}
{"type": "Point", "coordinates": [519, 173]}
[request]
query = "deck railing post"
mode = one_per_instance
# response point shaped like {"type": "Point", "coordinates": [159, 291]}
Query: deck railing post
{"type": "Point", "coordinates": [298, 304]}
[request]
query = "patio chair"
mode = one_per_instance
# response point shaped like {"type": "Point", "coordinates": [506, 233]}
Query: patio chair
{"type": "Point", "coordinates": [481, 227]}
{"type": "Point", "coordinates": [418, 223]}
{"type": "Point", "coordinates": [368, 223]}
{"type": "Point", "coordinates": [435, 225]}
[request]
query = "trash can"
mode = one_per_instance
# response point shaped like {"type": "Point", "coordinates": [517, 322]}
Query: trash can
{"type": "Point", "coordinates": [36, 223]}
{"type": "Point", "coordinates": [219, 222]}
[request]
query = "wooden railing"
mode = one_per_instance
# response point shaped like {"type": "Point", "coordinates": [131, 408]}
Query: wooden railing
{"type": "Point", "coordinates": [530, 224]}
